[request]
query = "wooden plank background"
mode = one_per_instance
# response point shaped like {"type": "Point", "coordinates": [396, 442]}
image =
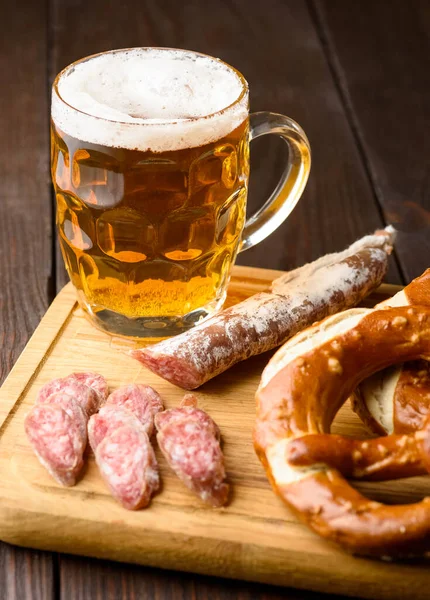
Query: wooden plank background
{"type": "Point", "coordinates": [355, 78]}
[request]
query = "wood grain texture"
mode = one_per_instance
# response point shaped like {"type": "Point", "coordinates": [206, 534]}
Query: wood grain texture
{"type": "Point", "coordinates": [25, 233]}
{"type": "Point", "coordinates": [25, 211]}
{"type": "Point", "coordinates": [380, 57]}
{"type": "Point", "coordinates": [91, 578]}
{"type": "Point", "coordinates": [26, 574]}
{"type": "Point", "coordinates": [255, 537]}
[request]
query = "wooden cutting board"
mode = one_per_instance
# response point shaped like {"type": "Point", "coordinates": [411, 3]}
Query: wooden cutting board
{"type": "Point", "coordinates": [255, 537]}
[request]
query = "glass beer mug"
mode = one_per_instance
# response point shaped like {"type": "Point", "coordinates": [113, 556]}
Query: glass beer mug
{"type": "Point", "coordinates": [150, 164]}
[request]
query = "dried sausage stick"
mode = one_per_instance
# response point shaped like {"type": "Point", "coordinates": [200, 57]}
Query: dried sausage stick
{"type": "Point", "coordinates": [266, 320]}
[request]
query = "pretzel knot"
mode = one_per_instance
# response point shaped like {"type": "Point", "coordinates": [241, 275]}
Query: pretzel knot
{"type": "Point", "coordinates": [301, 390]}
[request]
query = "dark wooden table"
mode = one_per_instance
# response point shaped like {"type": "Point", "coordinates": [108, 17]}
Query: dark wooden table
{"type": "Point", "coordinates": [354, 74]}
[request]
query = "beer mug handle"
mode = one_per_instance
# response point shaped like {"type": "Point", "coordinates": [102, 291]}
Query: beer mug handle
{"type": "Point", "coordinates": [291, 185]}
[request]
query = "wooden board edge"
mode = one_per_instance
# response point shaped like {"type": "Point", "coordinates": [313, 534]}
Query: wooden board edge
{"type": "Point", "coordinates": [242, 272]}
{"type": "Point", "coordinates": [304, 569]}
{"type": "Point", "coordinates": [42, 341]}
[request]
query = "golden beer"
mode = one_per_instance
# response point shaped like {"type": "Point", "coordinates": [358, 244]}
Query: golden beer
{"type": "Point", "coordinates": [150, 165]}
{"type": "Point", "coordinates": [146, 234]}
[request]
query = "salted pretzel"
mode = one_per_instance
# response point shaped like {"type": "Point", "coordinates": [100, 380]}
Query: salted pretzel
{"type": "Point", "coordinates": [397, 400]}
{"type": "Point", "coordinates": [302, 388]}
{"type": "Point", "coordinates": [393, 401]}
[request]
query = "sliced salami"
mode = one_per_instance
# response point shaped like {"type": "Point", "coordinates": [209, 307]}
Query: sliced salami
{"type": "Point", "coordinates": [107, 420]}
{"type": "Point", "coordinates": [72, 407]}
{"type": "Point", "coordinates": [268, 319]}
{"type": "Point", "coordinates": [173, 415]}
{"type": "Point", "coordinates": [140, 400]}
{"type": "Point", "coordinates": [94, 381]}
{"type": "Point", "coordinates": [56, 438]}
{"type": "Point", "coordinates": [119, 436]}
{"type": "Point", "coordinates": [57, 425]}
{"type": "Point", "coordinates": [189, 440]}
{"type": "Point", "coordinates": [127, 463]}
{"type": "Point", "coordinates": [87, 398]}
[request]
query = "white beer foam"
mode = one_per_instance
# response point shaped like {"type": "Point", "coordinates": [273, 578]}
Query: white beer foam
{"type": "Point", "coordinates": [149, 99]}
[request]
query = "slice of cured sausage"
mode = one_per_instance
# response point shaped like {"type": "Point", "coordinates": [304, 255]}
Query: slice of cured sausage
{"type": "Point", "coordinates": [72, 407]}
{"type": "Point", "coordinates": [141, 400]}
{"type": "Point", "coordinates": [119, 436]}
{"type": "Point", "coordinates": [107, 420]}
{"type": "Point", "coordinates": [127, 463]}
{"type": "Point", "coordinates": [57, 425]}
{"type": "Point", "coordinates": [90, 389]}
{"type": "Point", "coordinates": [268, 319]}
{"type": "Point", "coordinates": [94, 381]}
{"type": "Point", "coordinates": [57, 440]}
{"type": "Point", "coordinates": [190, 442]}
